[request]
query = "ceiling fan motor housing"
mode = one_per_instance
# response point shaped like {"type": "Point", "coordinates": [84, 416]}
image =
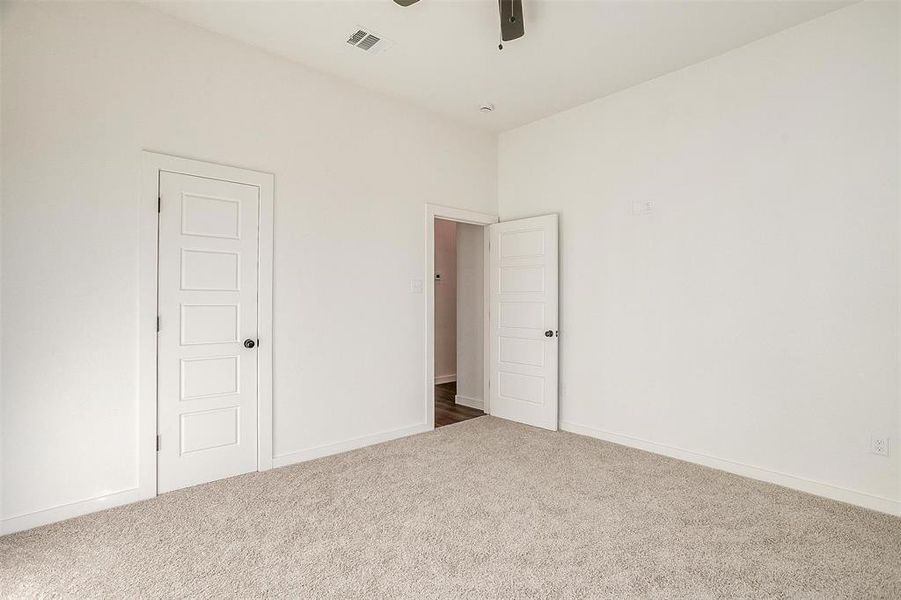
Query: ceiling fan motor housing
{"type": "Point", "coordinates": [511, 18]}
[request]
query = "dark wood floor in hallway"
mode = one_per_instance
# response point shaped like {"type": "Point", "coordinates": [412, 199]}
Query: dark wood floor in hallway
{"type": "Point", "coordinates": [447, 411]}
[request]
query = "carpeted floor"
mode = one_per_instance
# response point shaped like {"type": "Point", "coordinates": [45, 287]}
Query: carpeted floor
{"type": "Point", "coordinates": [480, 509]}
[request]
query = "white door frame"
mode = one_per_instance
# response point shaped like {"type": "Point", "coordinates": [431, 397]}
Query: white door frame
{"type": "Point", "coordinates": [459, 215]}
{"type": "Point", "coordinates": [152, 164]}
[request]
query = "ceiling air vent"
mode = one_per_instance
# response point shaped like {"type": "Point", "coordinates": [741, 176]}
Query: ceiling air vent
{"type": "Point", "coordinates": [368, 41]}
{"type": "Point", "coordinates": [356, 38]}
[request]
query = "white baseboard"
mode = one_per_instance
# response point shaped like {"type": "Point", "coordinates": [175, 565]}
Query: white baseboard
{"type": "Point", "coordinates": [439, 379]}
{"type": "Point", "coordinates": [367, 440]}
{"type": "Point", "coordinates": [67, 511]}
{"type": "Point", "coordinates": [75, 509]}
{"type": "Point", "coordinates": [470, 402]}
{"type": "Point", "coordinates": [827, 490]}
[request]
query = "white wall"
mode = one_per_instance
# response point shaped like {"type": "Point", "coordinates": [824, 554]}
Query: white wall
{"type": "Point", "coordinates": [2, 12]}
{"type": "Point", "coordinates": [86, 86]}
{"type": "Point", "coordinates": [752, 320]}
{"type": "Point", "coordinates": [470, 313]}
{"type": "Point", "coordinates": [445, 301]}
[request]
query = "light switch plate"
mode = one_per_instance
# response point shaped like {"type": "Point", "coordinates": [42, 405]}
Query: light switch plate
{"type": "Point", "coordinates": [642, 207]}
{"type": "Point", "coordinates": [416, 286]}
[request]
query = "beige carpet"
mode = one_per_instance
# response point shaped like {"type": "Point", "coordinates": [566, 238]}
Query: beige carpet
{"type": "Point", "coordinates": [482, 509]}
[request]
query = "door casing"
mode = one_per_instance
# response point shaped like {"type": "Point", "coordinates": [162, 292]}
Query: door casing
{"type": "Point", "coordinates": [152, 164]}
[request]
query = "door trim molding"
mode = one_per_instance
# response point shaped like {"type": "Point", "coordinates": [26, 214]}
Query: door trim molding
{"type": "Point", "coordinates": [459, 215]}
{"type": "Point", "coordinates": [152, 163]}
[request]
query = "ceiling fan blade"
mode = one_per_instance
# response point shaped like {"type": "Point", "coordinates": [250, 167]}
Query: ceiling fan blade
{"type": "Point", "coordinates": [405, 2]}
{"type": "Point", "coordinates": [511, 19]}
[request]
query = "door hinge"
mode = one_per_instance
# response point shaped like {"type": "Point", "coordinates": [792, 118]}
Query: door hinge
{"type": "Point", "coordinates": [157, 324]}
{"type": "Point", "coordinates": [159, 204]}
{"type": "Point", "coordinates": [157, 443]}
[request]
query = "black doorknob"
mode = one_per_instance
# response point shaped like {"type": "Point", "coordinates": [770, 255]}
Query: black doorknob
{"type": "Point", "coordinates": [549, 333]}
{"type": "Point", "coordinates": [249, 343]}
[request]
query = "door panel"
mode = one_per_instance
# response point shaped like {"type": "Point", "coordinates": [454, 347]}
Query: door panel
{"type": "Point", "coordinates": [209, 324]}
{"type": "Point", "coordinates": [209, 429]}
{"type": "Point", "coordinates": [205, 270]}
{"type": "Point", "coordinates": [523, 307]}
{"type": "Point", "coordinates": [207, 403]}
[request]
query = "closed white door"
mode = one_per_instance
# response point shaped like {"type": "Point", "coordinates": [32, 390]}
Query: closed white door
{"type": "Point", "coordinates": [207, 340]}
{"type": "Point", "coordinates": [523, 321]}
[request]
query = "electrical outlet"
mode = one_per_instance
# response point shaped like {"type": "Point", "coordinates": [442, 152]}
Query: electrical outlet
{"type": "Point", "coordinates": [879, 446]}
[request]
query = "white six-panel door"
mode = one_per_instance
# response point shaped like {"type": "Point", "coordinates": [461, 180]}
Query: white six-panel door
{"type": "Point", "coordinates": [523, 321]}
{"type": "Point", "coordinates": [207, 377]}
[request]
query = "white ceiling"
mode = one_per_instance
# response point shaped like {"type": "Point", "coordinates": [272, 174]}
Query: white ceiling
{"type": "Point", "coordinates": [444, 55]}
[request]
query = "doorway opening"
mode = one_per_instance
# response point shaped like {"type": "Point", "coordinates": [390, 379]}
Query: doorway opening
{"type": "Point", "coordinates": [456, 310]}
{"type": "Point", "coordinates": [459, 307]}
{"type": "Point", "coordinates": [518, 311]}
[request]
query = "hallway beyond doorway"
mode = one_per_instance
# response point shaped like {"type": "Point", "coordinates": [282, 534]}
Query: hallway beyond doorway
{"type": "Point", "coordinates": [448, 412]}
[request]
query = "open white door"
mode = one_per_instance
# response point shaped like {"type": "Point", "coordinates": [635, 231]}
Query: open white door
{"type": "Point", "coordinates": [523, 321]}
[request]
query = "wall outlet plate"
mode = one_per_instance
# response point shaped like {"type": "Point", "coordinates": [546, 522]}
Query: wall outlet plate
{"type": "Point", "coordinates": [879, 446]}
